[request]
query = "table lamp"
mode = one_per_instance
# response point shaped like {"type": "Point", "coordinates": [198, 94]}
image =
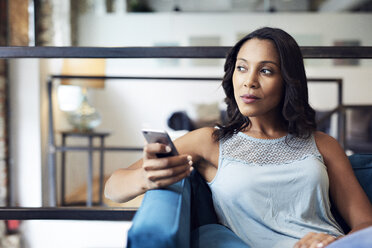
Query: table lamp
{"type": "Point", "coordinates": [85, 118]}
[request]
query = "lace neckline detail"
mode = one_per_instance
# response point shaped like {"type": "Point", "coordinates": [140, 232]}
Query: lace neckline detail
{"type": "Point", "coordinates": [255, 151]}
{"type": "Point", "coordinates": [264, 140]}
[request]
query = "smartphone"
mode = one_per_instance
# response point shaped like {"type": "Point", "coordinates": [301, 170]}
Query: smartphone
{"type": "Point", "coordinates": [160, 136]}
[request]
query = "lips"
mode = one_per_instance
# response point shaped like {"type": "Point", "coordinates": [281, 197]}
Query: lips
{"type": "Point", "coordinates": [249, 98]}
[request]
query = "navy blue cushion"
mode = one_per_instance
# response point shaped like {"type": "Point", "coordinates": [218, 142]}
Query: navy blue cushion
{"type": "Point", "coordinates": [215, 236]}
{"type": "Point", "coordinates": [202, 209]}
{"type": "Point", "coordinates": [362, 165]}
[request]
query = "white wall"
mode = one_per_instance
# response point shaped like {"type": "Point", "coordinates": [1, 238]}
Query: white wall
{"type": "Point", "coordinates": [147, 29]}
{"type": "Point", "coordinates": [74, 234]}
{"type": "Point", "coordinates": [25, 142]}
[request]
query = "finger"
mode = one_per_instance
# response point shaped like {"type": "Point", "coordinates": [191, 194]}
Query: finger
{"type": "Point", "coordinates": [168, 181]}
{"type": "Point", "coordinates": [308, 240]}
{"type": "Point", "coordinates": [150, 150]}
{"type": "Point", "coordinates": [328, 240]}
{"type": "Point", "coordinates": [316, 242]}
{"type": "Point", "coordinates": [168, 162]}
{"type": "Point", "coordinates": [157, 175]}
{"type": "Point", "coordinates": [321, 240]}
{"type": "Point", "coordinates": [304, 241]}
{"type": "Point", "coordinates": [300, 242]}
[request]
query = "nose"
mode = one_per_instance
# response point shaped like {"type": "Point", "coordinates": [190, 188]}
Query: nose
{"type": "Point", "coordinates": [251, 81]}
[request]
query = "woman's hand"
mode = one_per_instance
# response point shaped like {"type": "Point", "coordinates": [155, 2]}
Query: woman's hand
{"type": "Point", "coordinates": [161, 172]}
{"type": "Point", "coordinates": [315, 240]}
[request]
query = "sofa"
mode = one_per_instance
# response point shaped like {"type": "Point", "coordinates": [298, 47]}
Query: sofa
{"type": "Point", "coordinates": [182, 216]}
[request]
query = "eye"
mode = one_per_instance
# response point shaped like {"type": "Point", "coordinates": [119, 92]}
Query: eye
{"type": "Point", "coordinates": [240, 68]}
{"type": "Point", "coordinates": [266, 71]}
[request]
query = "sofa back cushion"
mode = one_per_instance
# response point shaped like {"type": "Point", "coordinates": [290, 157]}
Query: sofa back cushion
{"type": "Point", "coordinates": [202, 210]}
{"type": "Point", "coordinates": [362, 166]}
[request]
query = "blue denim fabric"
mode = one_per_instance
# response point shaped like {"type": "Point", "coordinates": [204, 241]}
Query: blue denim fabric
{"type": "Point", "coordinates": [360, 239]}
{"type": "Point", "coordinates": [163, 220]}
{"type": "Point", "coordinates": [215, 236]}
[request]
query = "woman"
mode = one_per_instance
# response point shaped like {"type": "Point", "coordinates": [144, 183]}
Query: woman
{"type": "Point", "coordinates": [269, 171]}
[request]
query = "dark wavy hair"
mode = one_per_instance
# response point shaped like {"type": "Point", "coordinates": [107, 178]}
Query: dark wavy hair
{"type": "Point", "coordinates": [298, 116]}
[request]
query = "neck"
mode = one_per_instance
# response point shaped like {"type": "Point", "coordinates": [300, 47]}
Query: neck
{"type": "Point", "coordinates": [266, 127]}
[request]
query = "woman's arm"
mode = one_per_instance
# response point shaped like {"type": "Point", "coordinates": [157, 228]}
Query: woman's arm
{"type": "Point", "coordinates": [151, 172]}
{"type": "Point", "coordinates": [147, 173]}
{"type": "Point", "coordinates": [347, 194]}
{"type": "Point", "coordinates": [345, 190]}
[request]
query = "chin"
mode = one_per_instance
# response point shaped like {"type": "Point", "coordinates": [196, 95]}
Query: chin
{"type": "Point", "coordinates": [250, 112]}
{"type": "Point", "coordinates": [252, 115]}
{"type": "Point", "coordinates": [256, 112]}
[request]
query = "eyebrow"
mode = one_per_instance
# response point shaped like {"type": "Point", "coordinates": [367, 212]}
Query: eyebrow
{"type": "Point", "coordinates": [262, 62]}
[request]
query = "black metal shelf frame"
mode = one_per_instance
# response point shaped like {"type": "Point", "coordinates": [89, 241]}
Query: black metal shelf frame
{"type": "Point", "coordinates": [315, 52]}
{"type": "Point", "coordinates": [67, 213]}
{"type": "Point", "coordinates": [207, 52]}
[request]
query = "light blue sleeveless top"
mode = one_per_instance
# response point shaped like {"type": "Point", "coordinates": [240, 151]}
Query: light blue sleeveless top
{"type": "Point", "coordinates": [271, 193]}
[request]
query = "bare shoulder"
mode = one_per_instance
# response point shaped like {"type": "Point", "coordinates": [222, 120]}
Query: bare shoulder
{"type": "Point", "coordinates": [200, 144]}
{"type": "Point", "coordinates": [325, 142]}
{"type": "Point", "coordinates": [203, 135]}
{"type": "Point", "coordinates": [323, 137]}
{"type": "Point", "coordinates": [329, 147]}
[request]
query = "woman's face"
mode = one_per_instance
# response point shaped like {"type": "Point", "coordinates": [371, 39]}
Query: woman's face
{"type": "Point", "coordinates": [257, 79]}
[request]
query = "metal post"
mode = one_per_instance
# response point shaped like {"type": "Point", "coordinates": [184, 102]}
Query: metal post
{"type": "Point", "coordinates": [51, 151]}
{"type": "Point", "coordinates": [63, 171]}
{"type": "Point", "coordinates": [341, 116]}
{"type": "Point", "coordinates": [101, 171]}
{"type": "Point", "coordinates": [90, 174]}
